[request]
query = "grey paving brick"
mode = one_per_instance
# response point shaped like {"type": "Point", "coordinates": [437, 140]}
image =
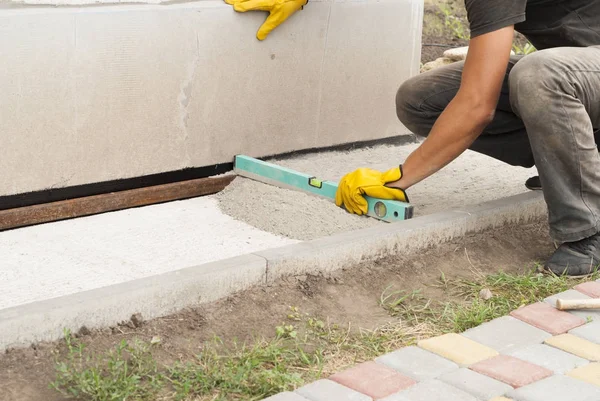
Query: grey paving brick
{"type": "Point", "coordinates": [591, 315]}
{"type": "Point", "coordinates": [590, 332]}
{"type": "Point", "coordinates": [417, 363]}
{"type": "Point", "coordinates": [286, 396]}
{"type": "Point", "coordinates": [551, 358]}
{"type": "Point", "coordinates": [327, 390]}
{"type": "Point", "coordinates": [506, 333]}
{"type": "Point", "coordinates": [431, 390]}
{"type": "Point", "coordinates": [556, 388]}
{"type": "Point", "coordinates": [480, 386]}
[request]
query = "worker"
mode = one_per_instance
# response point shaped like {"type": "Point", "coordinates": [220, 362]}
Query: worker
{"type": "Point", "coordinates": [541, 110]}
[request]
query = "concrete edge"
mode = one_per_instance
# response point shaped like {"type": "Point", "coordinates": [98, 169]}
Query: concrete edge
{"type": "Point", "coordinates": [167, 293]}
{"type": "Point", "coordinates": [153, 297]}
{"type": "Point", "coordinates": [347, 249]}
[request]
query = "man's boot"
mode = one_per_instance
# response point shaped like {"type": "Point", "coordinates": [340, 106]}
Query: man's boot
{"type": "Point", "coordinates": [578, 258]}
{"type": "Point", "coordinates": [534, 183]}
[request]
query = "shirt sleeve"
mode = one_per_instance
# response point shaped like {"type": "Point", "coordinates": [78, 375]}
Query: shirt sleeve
{"type": "Point", "coordinates": [486, 16]}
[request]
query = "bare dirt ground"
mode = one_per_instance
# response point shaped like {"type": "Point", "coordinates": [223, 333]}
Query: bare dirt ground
{"type": "Point", "coordinates": [348, 297]}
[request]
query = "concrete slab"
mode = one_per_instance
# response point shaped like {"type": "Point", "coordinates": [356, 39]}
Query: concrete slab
{"type": "Point", "coordinates": [506, 333]}
{"type": "Point", "coordinates": [188, 85]}
{"type": "Point", "coordinates": [551, 358]}
{"type": "Point", "coordinates": [556, 388]}
{"type": "Point", "coordinates": [67, 257]}
{"type": "Point", "coordinates": [417, 363]}
{"type": "Point", "coordinates": [480, 386]}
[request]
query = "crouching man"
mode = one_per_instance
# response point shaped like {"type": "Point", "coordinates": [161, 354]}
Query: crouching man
{"type": "Point", "coordinates": [541, 109]}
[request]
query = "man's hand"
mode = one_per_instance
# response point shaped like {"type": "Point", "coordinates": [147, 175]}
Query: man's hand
{"type": "Point", "coordinates": [279, 11]}
{"type": "Point", "coordinates": [364, 181]}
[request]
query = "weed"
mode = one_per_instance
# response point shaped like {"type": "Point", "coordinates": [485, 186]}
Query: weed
{"type": "Point", "coordinates": [528, 48]}
{"type": "Point", "coordinates": [127, 372]}
{"type": "Point", "coordinates": [243, 373]}
{"type": "Point", "coordinates": [454, 23]}
{"type": "Point", "coordinates": [467, 310]}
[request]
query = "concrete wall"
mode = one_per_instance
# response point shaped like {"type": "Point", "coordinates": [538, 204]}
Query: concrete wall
{"type": "Point", "coordinates": [97, 93]}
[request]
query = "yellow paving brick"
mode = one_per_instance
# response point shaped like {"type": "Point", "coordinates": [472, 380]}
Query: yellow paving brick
{"type": "Point", "coordinates": [458, 349]}
{"type": "Point", "coordinates": [576, 346]}
{"type": "Point", "coordinates": [588, 373]}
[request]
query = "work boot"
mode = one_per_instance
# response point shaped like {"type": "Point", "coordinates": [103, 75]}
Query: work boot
{"type": "Point", "coordinates": [534, 183]}
{"type": "Point", "coordinates": [578, 258]}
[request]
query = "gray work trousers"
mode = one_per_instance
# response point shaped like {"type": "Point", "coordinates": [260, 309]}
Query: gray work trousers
{"type": "Point", "coordinates": [547, 116]}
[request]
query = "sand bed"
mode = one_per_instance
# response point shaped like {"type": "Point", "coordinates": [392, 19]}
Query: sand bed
{"type": "Point", "coordinates": [471, 179]}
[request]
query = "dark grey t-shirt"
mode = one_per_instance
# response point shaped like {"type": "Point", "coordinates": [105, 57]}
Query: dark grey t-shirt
{"type": "Point", "coordinates": [546, 23]}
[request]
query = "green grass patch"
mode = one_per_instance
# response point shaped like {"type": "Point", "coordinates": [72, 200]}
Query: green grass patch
{"type": "Point", "coordinates": [467, 309]}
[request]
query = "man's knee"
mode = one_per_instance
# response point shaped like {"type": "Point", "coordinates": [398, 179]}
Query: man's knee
{"type": "Point", "coordinates": [530, 77]}
{"type": "Point", "coordinates": [408, 105]}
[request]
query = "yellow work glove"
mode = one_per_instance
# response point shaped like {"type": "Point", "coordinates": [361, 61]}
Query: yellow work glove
{"type": "Point", "coordinates": [354, 186]}
{"type": "Point", "coordinates": [279, 11]}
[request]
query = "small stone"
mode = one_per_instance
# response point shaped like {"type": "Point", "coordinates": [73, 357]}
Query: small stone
{"type": "Point", "coordinates": [457, 54]}
{"type": "Point", "coordinates": [137, 320]}
{"type": "Point", "coordinates": [432, 65]}
{"type": "Point", "coordinates": [485, 294]}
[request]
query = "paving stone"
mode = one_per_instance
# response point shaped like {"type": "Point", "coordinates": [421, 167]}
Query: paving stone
{"type": "Point", "coordinates": [591, 289]}
{"type": "Point", "coordinates": [590, 332]}
{"type": "Point", "coordinates": [417, 363]}
{"type": "Point", "coordinates": [506, 333]}
{"type": "Point", "coordinates": [373, 379]}
{"type": "Point", "coordinates": [585, 314]}
{"type": "Point", "coordinates": [431, 390]}
{"type": "Point", "coordinates": [567, 295]}
{"type": "Point", "coordinates": [458, 349]}
{"type": "Point", "coordinates": [512, 371]}
{"type": "Point", "coordinates": [589, 373]}
{"type": "Point", "coordinates": [286, 396]}
{"type": "Point", "coordinates": [328, 390]}
{"type": "Point", "coordinates": [549, 357]}
{"type": "Point", "coordinates": [545, 317]}
{"type": "Point", "coordinates": [480, 386]}
{"type": "Point", "coordinates": [576, 346]}
{"type": "Point", "coordinates": [557, 388]}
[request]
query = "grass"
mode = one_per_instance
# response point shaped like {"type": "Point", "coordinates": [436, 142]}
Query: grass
{"type": "Point", "coordinates": [302, 349]}
{"type": "Point", "coordinates": [467, 309]}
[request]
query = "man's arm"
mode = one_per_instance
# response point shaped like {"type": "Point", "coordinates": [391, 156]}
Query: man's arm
{"type": "Point", "coordinates": [471, 110]}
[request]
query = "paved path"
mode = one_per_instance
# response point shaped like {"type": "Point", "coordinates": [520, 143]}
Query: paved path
{"type": "Point", "coordinates": [538, 353]}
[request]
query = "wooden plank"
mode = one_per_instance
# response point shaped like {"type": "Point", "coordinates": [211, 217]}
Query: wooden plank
{"type": "Point", "coordinates": [268, 173]}
{"type": "Point", "coordinates": [86, 206]}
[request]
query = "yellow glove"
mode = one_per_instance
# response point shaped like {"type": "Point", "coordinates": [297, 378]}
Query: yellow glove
{"type": "Point", "coordinates": [365, 181]}
{"type": "Point", "coordinates": [279, 11]}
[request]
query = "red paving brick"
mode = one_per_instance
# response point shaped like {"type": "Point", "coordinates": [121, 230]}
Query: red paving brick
{"type": "Point", "coordinates": [547, 318]}
{"type": "Point", "coordinates": [591, 289]}
{"type": "Point", "coordinates": [373, 379]}
{"type": "Point", "coordinates": [512, 371]}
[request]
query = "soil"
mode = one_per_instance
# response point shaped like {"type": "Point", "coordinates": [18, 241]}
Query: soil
{"type": "Point", "coordinates": [437, 37]}
{"type": "Point", "coordinates": [347, 297]}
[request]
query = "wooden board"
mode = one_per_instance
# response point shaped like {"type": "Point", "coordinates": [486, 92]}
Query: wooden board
{"type": "Point", "coordinates": [268, 173]}
{"type": "Point", "coordinates": [86, 206]}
